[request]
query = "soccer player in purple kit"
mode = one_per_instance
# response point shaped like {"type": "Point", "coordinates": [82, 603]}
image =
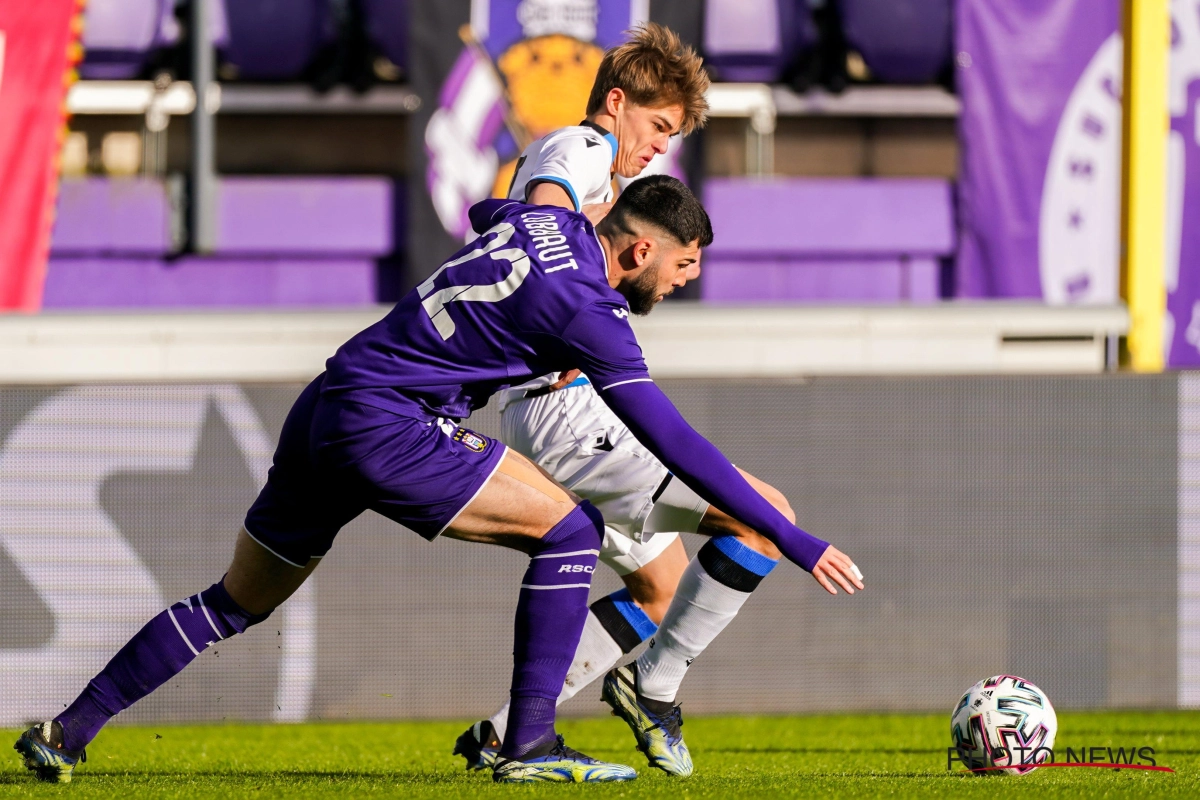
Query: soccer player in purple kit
{"type": "Point", "coordinates": [379, 430]}
{"type": "Point", "coordinates": [647, 89]}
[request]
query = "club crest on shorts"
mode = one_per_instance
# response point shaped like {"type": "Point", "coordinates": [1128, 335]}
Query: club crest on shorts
{"type": "Point", "coordinates": [470, 440]}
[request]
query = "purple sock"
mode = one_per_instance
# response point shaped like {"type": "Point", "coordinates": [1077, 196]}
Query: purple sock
{"type": "Point", "coordinates": [155, 654]}
{"type": "Point", "coordinates": [550, 616]}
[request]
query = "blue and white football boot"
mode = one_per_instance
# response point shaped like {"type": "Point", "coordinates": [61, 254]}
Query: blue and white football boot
{"type": "Point", "coordinates": [560, 764]}
{"type": "Point", "coordinates": [479, 745]}
{"type": "Point", "coordinates": [657, 730]}
{"type": "Point", "coordinates": [42, 747]}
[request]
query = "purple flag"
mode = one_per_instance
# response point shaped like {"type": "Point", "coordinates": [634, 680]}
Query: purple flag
{"type": "Point", "coordinates": [1040, 132]}
{"type": "Point", "coordinates": [1182, 266]}
{"type": "Point", "coordinates": [1040, 183]}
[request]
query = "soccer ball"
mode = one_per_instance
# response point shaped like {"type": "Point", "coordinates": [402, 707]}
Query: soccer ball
{"type": "Point", "coordinates": [1004, 724]}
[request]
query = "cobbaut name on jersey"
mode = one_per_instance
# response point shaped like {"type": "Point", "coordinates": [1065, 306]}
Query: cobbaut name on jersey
{"type": "Point", "coordinates": [548, 242]}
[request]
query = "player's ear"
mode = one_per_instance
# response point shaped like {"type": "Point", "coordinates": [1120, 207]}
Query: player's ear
{"type": "Point", "coordinates": [643, 251]}
{"type": "Point", "coordinates": [614, 101]}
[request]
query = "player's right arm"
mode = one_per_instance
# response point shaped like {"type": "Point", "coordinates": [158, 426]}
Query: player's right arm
{"type": "Point", "coordinates": [565, 171]}
{"type": "Point", "coordinates": [545, 193]}
{"type": "Point", "coordinates": [608, 352]}
{"type": "Point", "coordinates": [551, 194]}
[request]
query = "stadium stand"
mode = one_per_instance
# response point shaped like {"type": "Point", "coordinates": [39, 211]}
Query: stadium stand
{"type": "Point", "coordinates": [124, 242]}
{"type": "Point", "coordinates": [832, 240]}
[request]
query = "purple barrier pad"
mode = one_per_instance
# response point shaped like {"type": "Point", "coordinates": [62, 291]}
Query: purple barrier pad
{"type": "Point", "coordinates": [882, 280]}
{"type": "Point", "coordinates": [830, 217]}
{"type": "Point", "coordinates": [304, 216]}
{"type": "Point", "coordinates": [208, 282]}
{"type": "Point", "coordinates": [130, 216]}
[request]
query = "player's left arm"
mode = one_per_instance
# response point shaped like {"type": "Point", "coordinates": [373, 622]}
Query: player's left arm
{"type": "Point", "coordinates": [833, 562]}
{"type": "Point", "coordinates": [608, 352]}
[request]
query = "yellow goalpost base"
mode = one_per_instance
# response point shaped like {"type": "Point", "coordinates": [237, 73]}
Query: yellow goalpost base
{"type": "Point", "coordinates": [1145, 127]}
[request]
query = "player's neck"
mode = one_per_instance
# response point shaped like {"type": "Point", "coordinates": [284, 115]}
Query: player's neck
{"type": "Point", "coordinates": [604, 120]}
{"type": "Point", "coordinates": [612, 260]}
{"type": "Point", "coordinates": [609, 123]}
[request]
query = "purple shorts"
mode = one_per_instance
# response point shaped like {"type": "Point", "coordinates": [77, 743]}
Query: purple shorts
{"type": "Point", "coordinates": [337, 458]}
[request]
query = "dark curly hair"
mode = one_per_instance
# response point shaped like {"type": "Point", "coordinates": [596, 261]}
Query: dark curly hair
{"type": "Point", "coordinates": [663, 202]}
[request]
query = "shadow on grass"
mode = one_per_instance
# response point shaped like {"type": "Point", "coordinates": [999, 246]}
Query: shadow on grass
{"type": "Point", "coordinates": [823, 750]}
{"type": "Point", "coordinates": [247, 777]}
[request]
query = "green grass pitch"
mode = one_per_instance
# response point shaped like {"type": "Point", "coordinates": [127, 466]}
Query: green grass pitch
{"type": "Point", "coordinates": [768, 757]}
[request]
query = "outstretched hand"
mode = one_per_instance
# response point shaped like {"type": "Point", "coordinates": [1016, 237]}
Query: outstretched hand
{"type": "Point", "coordinates": [837, 565]}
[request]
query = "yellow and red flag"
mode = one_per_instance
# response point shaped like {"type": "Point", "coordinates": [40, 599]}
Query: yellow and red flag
{"type": "Point", "coordinates": [39, 49]}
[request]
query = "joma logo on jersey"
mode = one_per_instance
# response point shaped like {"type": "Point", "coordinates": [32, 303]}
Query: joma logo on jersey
{"type": "Point", "coordinates": [470, 440]}
{"type": "Point", "coordinates": [576, 568]}
{"type": "Point", "coordinates": [621, 312]}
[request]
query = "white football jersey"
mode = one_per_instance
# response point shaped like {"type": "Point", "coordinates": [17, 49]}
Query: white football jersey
{"type": "Point", "coordinates": [578, 158]}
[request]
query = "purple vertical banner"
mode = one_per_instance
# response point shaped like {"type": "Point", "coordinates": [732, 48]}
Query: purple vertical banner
{"type": "Point", "coordinates": [1040, 135]}
{"type": "Point", "coordinates": [1182, 255]}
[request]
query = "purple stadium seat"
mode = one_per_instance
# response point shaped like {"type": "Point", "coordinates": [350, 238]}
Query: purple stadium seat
{"type": "Point", "coordinates": [273, 40]}
{"type": "Point", "coordinates": [754, 40]}
{"type": "Point", "coordinates": [280, 242]}
{"type": "Point", "coordinates": [118, 36]}
{"type": "Point", "coordinates": [902, 41]}
{"type": "Point", "coordinates": [340, 216]}
{"type": "Point", "coordinates": [387, 27]}
{"type": "Point", "coordinates": [843, 240]}
{"type": "Point", "coordinates": [193, 282]}
{"type": "Point", "coordinates": [102, 216]}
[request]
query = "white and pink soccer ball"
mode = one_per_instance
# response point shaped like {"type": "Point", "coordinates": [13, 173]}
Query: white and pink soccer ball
{"type": "Point", "coordinates": [1004, 725]}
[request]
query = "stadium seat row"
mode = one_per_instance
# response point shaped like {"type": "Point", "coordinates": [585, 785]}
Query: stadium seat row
{"type": "Point", "coordinates": [827, 240]}
{"type": "Point", "coordinates": [900, 41]}
{"type": "Point", "coordinates": [262, 40]}
{"type": "Point", "coordinates": [279, 242]}
{"type": "Point", "coordinates": [317, 241]}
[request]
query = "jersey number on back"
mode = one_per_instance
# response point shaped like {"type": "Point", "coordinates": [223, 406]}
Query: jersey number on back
{"type": "Point", "coordinates": [435, 303]}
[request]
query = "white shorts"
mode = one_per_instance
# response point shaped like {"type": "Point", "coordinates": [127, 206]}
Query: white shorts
{"type": "Point", "coordinates": [574, 436]}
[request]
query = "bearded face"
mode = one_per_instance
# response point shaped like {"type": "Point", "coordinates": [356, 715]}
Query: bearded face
{"type": "Point", "coordinates": [644, 291]}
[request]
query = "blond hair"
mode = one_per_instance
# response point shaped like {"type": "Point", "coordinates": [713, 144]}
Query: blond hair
{"type": "Point", "coordinates": [654, 69]}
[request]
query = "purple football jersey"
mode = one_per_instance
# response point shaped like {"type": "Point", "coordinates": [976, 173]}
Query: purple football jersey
{"type": "Point", "coordinates": [528, 297]}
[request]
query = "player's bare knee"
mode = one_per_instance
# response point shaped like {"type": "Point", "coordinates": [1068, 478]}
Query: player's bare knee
{"type": "Point", "coordinates": [759, 544]}
{"type": "Point", "coordinates": [650, 595]}
{"type": "Point", "coordinates": [258, 580]}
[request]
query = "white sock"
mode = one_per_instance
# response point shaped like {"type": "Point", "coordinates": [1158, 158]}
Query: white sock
{"type": "Point", "coordinates": [712, 590]}
{"type": "Point", "coordinates": [614, 626]}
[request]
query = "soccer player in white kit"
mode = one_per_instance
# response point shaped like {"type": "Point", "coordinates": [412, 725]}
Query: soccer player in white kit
{"type": "Point", "coordinates": [646, 90]}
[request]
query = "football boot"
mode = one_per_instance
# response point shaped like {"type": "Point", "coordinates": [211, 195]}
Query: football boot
{"type": "Point", "coordinates": [42, 747]}
{"type": "Point", "coordinates": [479, 745]}
{"type": "Point", "coordinates": [657, 732]}
{"type": "Point", "coordinates": [557, 763]}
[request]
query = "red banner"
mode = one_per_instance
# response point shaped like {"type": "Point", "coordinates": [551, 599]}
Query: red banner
{"type": "Point", "coordinates": [38, 50]}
